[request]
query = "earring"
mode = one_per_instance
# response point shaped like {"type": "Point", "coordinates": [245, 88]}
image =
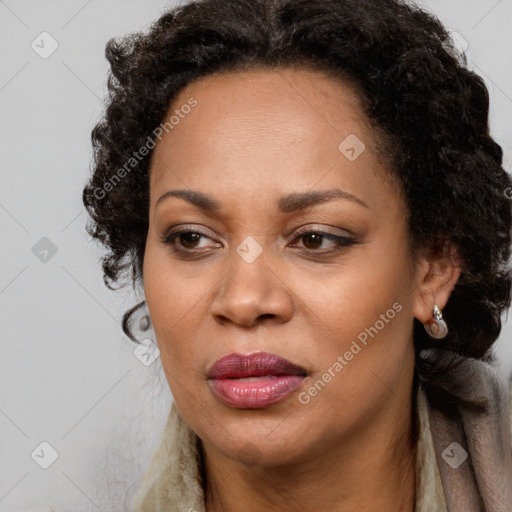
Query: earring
{"type": "Point", "coordinates": [438, 329]}
{"type": "Point", "coordinates": [142, 328]}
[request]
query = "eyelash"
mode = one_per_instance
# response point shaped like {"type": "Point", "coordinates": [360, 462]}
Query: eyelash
{"type": "Point", "coordinates": [340, 242]}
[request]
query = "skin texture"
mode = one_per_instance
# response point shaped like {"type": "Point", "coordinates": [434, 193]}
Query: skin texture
{"type": "Point", "coordinates": [253, 137]}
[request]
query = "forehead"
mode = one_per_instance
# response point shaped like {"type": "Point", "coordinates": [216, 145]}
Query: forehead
{"type": "Point", "coordinates": [300, 103]}
{"type": "Point", "coordinates": [263, 128]}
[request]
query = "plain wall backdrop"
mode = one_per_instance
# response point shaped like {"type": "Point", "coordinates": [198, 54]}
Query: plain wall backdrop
{"type": "Point", "coordinates": [68, 375]}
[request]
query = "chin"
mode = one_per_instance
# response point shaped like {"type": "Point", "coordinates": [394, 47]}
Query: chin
{"type": "Point", "coordinates": [259, 442]}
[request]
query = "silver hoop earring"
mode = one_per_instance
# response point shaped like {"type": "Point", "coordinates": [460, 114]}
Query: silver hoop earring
{"type": "Point", "coordinates": [438, 329]}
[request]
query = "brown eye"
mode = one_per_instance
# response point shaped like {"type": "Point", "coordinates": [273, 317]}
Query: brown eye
{"type": "Point", "coordinates": [189, 239]}
{"type": "Point", "coordinates": [189, 243]}
{"type": "Point", "coordinates": [312, 240]}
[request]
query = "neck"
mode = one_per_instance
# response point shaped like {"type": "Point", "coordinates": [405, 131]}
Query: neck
{"type": "Point", "coordinates": [373, 471]}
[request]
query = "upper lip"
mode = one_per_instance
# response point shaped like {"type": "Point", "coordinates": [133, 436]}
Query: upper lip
{"type": "Point", "coordinates": [256, 364]}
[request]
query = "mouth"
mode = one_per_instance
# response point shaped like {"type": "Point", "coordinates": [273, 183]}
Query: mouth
{"type": "Point", "coordinates": [254, 381]}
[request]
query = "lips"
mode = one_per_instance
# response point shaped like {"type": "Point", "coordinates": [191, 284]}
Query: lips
{"type": "Point", "coordinates": [254, 380]}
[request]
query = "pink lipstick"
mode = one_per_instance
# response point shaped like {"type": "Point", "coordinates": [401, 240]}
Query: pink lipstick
{"type": "Point", "coordinates": [254, 381]}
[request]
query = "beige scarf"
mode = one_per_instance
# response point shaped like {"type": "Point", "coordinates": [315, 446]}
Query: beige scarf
{"type": "Point", "coordinates": [446, 479]}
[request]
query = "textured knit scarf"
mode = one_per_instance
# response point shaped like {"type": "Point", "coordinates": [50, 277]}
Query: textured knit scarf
{"type": "Point", "coordinates": [462, 464]}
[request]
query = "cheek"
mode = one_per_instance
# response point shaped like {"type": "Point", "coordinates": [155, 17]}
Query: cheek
{"type": "Point", "coordinates": [363, 341]}
{"type": "Point", "coordinates": [351, 297]}
{"type": "Point", "coordinates": [176, 301]}
{"type": "Point", "coordinates": [361, 350]}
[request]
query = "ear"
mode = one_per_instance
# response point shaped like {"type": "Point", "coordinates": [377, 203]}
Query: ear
{"type": "Point", "coordinates": [437, 275]}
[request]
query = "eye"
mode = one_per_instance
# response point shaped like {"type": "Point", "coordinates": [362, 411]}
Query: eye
{"type": "Point", "coordinates": [314, 238]}
{"type": "Point", "coordinates": [186, 241]}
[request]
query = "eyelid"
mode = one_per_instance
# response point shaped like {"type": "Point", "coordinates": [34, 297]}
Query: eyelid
{"type": "Point", "coordinates": [203, 230]}
{"type": "Point", "coordinates": [296, 232]}
{"type": "Point", "coordinates": [322, 229]}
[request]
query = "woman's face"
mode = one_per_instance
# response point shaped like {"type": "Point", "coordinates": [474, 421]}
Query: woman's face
{"type": "Point", "coordinates": [278, 154]}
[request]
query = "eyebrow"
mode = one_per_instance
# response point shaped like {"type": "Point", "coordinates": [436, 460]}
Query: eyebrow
{"type": "Point", "coordinates": [289, 203]}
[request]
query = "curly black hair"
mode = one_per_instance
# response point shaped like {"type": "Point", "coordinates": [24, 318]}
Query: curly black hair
{"type": "Point", "coordinates": [429, 111]}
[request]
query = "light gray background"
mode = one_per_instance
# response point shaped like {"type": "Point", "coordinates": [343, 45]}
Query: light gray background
{"type": "Point", "coordinates": [68, 374]}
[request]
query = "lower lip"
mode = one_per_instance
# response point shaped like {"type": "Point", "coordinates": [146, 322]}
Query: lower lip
{"type": "Point", "coordinates": [257, 393]}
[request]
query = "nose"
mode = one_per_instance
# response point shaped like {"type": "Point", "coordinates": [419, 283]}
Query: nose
{"type": "Point", "coordinates": [251, 293]}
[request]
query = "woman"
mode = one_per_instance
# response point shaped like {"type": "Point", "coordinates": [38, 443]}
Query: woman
{"type": "Point", "coordinates": [308, 194]}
